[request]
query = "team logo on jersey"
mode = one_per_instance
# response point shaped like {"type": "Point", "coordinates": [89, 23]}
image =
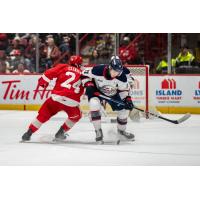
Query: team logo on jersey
{"type": "Point", "coordinates": [169, 91]}
{"type": "Point", "coordinates": [108, 90]}
{"type": "Point", "coordinates": [197, 93]}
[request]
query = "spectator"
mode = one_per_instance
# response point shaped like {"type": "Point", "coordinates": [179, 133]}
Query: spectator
{"type": "Point", "coordinates": [21, 69]}
{"type": "Point", "coordinates": [163, 65]}
{"type": "Point", "coordinates": [23, 35]}
{"type": "Point", "coordinates": [15, 52]}
{"type": "Point", "coordinates": [30, 54]}
{"type": "Point", "coordinates": [3, 41]}
{"type": "Point", "coordinates": [50, 52]}
{"type": "Point", "coordinates": [3, 68]}
{"type": "Point", "coordinates": [96, 58]}
{"type": "Point", "coordinates": [42, 57]}
{"type": "Point", "coordinates": [185, 58]}
{"type": "Point", "coordinates": [65, 48]}
{"type": "Point", "coordinates": [3, 58]}
{"type": "Point", "coordinates": [129, 54]}
{"type": "Point", "coordinates": [14, 45]}
{"type": "Point", "coordinates": [104, 46]}
{"type": "Point", "coordinates": [14, 58]}
{"type": "Point", "coordinates": [197, 52]}
{"type": "Point", "coordinates": [109, 45]}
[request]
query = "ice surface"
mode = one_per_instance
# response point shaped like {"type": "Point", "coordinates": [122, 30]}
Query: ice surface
{"type": "Point", "coordinates": [157, 142]}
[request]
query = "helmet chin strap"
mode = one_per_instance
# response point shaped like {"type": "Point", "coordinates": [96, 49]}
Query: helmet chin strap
{"type": "Point", "coordinates": [120, 74]}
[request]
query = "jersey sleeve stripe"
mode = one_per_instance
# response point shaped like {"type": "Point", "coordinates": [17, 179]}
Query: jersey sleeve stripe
{"type": "Point", "coordinates": [45, 78]}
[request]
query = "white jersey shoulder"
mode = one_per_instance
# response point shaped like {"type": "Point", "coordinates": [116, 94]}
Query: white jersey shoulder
{"type": "Point", "coordinates": [109, 87]}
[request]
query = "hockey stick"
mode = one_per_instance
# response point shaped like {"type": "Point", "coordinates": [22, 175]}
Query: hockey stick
{"type": "Point", "coordinates": [182, 119]}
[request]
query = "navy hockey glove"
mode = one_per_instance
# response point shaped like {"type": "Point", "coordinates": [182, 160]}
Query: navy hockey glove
{"type": "Point", "coordinates": [128, 103]}
{"type": "Point", "coordinates": [91, 90]}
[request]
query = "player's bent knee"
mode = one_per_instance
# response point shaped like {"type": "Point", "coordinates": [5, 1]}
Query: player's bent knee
{"type": "Point", "coordinates": [75, 118]}
{"type": "Point", "coordinates": [95, 104]}
{"type": "Point", "coordinates": [122, 114]}
{"type": "Point", "coordinates": [43, 118]}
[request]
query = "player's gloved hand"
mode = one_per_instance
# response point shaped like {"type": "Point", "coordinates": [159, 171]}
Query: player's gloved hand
{"type": "Point", "coordinates": [42, 82]}
{"type": "Point", "coordinates": [128, 103]}
{"type": "Point", "coordinates": [90, 91]}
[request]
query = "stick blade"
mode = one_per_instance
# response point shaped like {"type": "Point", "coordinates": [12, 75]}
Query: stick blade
{"type": "Point", "coordinates": [184, 118]}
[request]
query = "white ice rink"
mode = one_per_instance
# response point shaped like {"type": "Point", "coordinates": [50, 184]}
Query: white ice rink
{"type": "Point", "coordinates": [157, 143]}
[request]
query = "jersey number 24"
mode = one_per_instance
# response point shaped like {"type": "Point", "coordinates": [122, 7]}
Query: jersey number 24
{"type": "Point", "coordinates": [69, 82]}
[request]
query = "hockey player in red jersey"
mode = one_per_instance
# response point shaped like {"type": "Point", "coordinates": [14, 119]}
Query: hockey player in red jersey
{"type": "Point", "coordinates": [65, 97]}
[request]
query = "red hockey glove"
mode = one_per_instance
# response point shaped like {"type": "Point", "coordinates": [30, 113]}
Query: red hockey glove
{"type": "Point", "coordinates": [42, 82]}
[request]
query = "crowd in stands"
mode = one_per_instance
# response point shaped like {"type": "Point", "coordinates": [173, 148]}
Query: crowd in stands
{"type": "Point", "coordinates": [129, 53]}
{"type": "Point", "coordinates": [99, 48]}
{"type": "Point", "coordinates": [185, 62]}
{"type": "Point", "coordinates": [17, 53]}
{"type": "Point", "coordinates": [20, 53]}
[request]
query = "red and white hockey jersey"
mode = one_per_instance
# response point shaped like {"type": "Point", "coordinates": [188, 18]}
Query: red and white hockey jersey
{"type": "Point", "coordinates": [68, 86]}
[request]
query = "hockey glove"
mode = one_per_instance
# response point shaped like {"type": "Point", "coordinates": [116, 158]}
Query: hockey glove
{"type": "Point", "coordinates": [90, 91]}
{"type": "Point", "coordinates": [42, 82]}
{"type": "Point", "coordinates": [128, 103]}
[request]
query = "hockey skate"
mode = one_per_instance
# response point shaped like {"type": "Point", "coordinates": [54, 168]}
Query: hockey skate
{"type": "Point", "coordinates": [99, 136]}
{"type": "Point", "coordinates": [60, 135]}
{"type": "Point", "coordinates": [126, 135]}
{"type": "Point", "coordinates": [27, 135]}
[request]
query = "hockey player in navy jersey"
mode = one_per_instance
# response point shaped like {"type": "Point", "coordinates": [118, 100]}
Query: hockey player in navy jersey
{"type": "Point", "coordinates": [111, 81]}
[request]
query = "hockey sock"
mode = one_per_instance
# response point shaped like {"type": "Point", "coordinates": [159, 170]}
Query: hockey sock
{"type": "Point", "coordinates": [35, 125]}
{"type": "Point", "coordinates": [121, 124]}
{"type": "Point", "coordinates": [95, 117]}
{"type": "Point", "coordinates": [68, 124]}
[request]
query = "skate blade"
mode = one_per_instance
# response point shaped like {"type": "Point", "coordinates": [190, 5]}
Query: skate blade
{"type": "Point", "coordinates": [124, 141]}
{"type": "Point", "coordinates": [24, 141]}
{"type": "Point", "coordinates": [117, 142]}
{"type": "Point", "coordinates": [58, 140]}
{"type": "Point", "coordinates": [122, 138]}
{"type": "Point", "coordinates": [100, 142]}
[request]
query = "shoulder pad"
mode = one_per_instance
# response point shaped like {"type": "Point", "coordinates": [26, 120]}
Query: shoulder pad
{"type": "Point", "coordinates": [122, 77]}
{"type": "Point", "coordinates": [126, 70]}
{"type": "Point", "coordinates": [98, 70]}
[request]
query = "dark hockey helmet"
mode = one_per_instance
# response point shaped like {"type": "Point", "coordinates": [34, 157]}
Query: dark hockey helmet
{"type": "Point", "coordinates": [75, 61]}
{"type": "Point", "coordinates": [116, 64]}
